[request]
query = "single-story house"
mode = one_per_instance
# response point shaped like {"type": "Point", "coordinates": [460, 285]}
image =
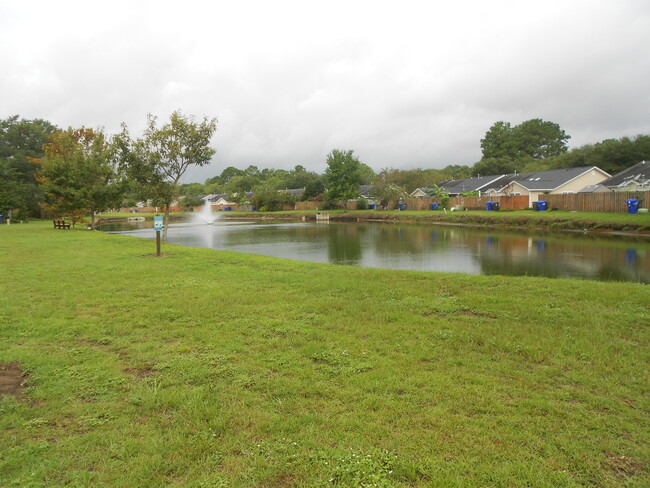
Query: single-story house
{"type": "Point", "coordinates": [634, 178]}
{"type": "Point", "coordinates": [555, 181]}
{"type": "Point", "coordinates": [480, 184]}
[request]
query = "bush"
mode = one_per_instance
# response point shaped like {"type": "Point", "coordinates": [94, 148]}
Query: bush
{"type": "Point", "coordinates": [362, 204]}
{"type": "Point", "coordinates": [330, 205]}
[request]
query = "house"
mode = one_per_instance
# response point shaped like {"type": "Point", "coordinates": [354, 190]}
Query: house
{"type": "Point", "coordinates": [294, 192]}
{"type": "Point", "coordinates": [219, 200]}
{"type": "Point", "coordinates": [365, 191]}
{"type": "Point", "coordinates": [480, 184]}
{"type": "Point", "coordinates": [634, 178]}
{"type": "Point", "coordinates": [555, 181]}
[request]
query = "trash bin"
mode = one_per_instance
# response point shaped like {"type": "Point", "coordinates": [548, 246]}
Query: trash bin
{"type": "Point", "coordinates": [401, 206]}
{"type": "Point", "coordinates": [495, 206]}
{"type": "Point", "coordinates": [434, 206]}
{"type": "Point", "coordinates": [0, 219]}
{"type": "Point", "coordinates": [542, 205]}
{"type": "Point", "coordinates": [372, 206]}
{"type": "Point", "coordinates": [489, 206]}
{"type": "Point", "coordinates": [535, 206]}
{"type": "Point", "coordinates": [632, 206]}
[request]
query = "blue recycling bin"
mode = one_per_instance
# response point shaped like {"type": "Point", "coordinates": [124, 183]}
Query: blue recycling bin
{"type": "Point", "coordinates": [401, 206]}
{"type": "Point", "coordinates": [372, 206]}
{"type": "Point", "coordinates": [434, 206]}
{"type": "Point", "coordinates": [489, 206]}
{"type": "Point", "coordinates": [0, 219]}
{"type": "Point", "coordinates": [542, 205]}
{"type": "Point", "coordinates": [632, 206]}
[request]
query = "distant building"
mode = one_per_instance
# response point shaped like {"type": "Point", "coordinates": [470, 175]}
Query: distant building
{"type": "Point", "coordinates": [634, 178]}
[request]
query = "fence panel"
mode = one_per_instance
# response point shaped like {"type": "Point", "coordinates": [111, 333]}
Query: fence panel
{"type": "Point", "coordinates": [595, 202]}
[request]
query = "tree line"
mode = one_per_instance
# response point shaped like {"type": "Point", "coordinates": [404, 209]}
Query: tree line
{"type": "Point", "coordinates": [77, 172]}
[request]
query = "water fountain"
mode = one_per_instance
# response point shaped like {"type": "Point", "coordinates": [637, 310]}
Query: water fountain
{"type": "Point", "coordinates": [206, 215]}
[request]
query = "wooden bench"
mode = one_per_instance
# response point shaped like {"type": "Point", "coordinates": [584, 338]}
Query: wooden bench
{"type": "Point", "coordinates": [60, 224]}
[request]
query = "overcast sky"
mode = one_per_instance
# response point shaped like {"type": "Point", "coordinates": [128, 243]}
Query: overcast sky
{"type": "Point", "coordinates": [406, 83]}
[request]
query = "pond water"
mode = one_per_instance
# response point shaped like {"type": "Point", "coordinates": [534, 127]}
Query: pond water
{"type": "Point", "coordinates": [421, 247]}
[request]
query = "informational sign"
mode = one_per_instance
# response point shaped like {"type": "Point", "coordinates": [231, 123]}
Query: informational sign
{"type": "Point", "coordinates": [158, 222]}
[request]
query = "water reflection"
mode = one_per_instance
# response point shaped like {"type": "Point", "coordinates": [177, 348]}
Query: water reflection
{"type": "Point", "coordinates": [427, 248]}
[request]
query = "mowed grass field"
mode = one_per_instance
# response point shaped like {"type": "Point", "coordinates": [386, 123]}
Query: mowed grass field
{"type": "Point", "coordinates": [214, 369]}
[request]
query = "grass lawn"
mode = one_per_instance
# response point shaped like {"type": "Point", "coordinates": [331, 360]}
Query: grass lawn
{"type": "Point", "coordinates": [214, 369]}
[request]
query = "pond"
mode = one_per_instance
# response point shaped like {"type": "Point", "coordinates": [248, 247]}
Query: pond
{"type": "Point", "coordinates": [421, 247]}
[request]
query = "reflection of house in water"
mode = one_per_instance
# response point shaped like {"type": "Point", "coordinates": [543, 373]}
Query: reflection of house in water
{"type": "Point", "coordinates": [560, 257]}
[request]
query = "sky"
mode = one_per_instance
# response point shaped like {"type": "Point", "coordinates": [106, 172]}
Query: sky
{"type": "Point", "coordinates": [405, 84]}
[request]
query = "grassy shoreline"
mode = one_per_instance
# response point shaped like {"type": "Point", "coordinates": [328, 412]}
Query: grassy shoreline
{"type": "Point", "coordinates": [209, 368]}
{"type": "Point", "coordinates": [561, 221]}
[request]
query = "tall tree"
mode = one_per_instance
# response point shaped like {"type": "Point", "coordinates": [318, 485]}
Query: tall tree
{"type": "Point", "coordinates": [534, 139]}
{"type": "Point", "coordinates": [539, 139]}
{"type": "Point", "coordinates": [78, 175]}
{"type": "Point", "coordinates": [21, 141]}
{"type": "Point", "coordinates": [499, 141]}
{"type": "Point", "coordinates": [157, 161]}
{"type": "Point", "coordinates": [343, 175]}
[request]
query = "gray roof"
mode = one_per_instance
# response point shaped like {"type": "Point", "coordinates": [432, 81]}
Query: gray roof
{"type": "Point", "coordinates": [296, 192]}
{"type": "Point", "coordinates": [482, 183]}
{"type": "Point", "coordinates": [640, 173]}
{"type": "Point", "coordinates": [590, 188]}
{"type": "Point", "coordinates": [365, 190]}
{"type": "Point", "coordinates": [213, 197]}
{"type": "Point", "coordinates": [551, 179]}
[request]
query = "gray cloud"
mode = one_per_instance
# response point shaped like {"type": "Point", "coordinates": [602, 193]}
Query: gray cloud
{"type": "Point", "coordinates": [414, 84]}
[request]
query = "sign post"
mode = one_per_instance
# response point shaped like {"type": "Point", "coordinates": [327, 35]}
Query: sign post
{"type": "Point", "coordinates": [158, 226]}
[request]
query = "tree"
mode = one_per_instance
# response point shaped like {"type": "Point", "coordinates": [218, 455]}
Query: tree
{"type": "Point", "coordinates": [157, 161]}
{"type": "Point", "coordinates": [539, 139]}
{"type": "Point", "coordinates": [532, 139]}
{"type": "Point", "coordinates": [495, 166]}
{"type": "Point", "coordinates": [343, 176]}
{"type": "Point", "coordinates": [78, 175]}
{"type": "Point", "coordinates": [499, 141]}
{"type": "Point", "coordinates": [21, 141]}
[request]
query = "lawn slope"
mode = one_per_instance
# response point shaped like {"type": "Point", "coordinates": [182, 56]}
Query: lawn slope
{"type": "Point", "coordinates": [206, 369]}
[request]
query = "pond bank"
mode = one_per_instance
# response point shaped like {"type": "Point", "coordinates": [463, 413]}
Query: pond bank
{"type": "Point", "coordinates": [550, 221]}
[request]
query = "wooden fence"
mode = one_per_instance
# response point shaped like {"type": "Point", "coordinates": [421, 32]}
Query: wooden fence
{"type": "Point", "coordinates": [596, 202]}
{"type": "Point", "coordinates": [517, 202]}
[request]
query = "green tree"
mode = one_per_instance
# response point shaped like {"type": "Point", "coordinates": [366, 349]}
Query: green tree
{"type": "Point", "coordinates": [499, 141]}
{"type": "Point", "coordinates": [535, 138]}
{"type": "Point", "coordinates": [539, 139]}
{"type": "Point", "coordinates": [21, 142]}
{"type": "Point", "coordinates": [157, 161]}
{"type": "Point", "coordinates": [78, 174]}
{"type": "Point", "coordinates": [343, 175]}
{"type": "Point", "coordinates": [495, 166]}
{"type": "Point", "coordinates": [315, 189]}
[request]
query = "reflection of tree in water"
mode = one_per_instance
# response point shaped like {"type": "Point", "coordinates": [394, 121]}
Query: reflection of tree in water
{"type": "Point", "coordinates": [344, 244]}
{"type": "Point", "coordinates": [391, 239]}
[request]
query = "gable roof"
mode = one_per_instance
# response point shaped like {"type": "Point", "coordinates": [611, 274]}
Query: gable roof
{"type": "Point", "coordinates": [552, 179]}
{"type": "Point", "coordinates": [470, 184]}
{"type": "Point", "coordinates": [639, 173]}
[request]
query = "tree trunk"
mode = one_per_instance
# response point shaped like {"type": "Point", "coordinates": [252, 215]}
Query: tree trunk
{"type": "Point", "coordinates": [92, 220]}
{"type": "Point", "coordinates": [166, 221]}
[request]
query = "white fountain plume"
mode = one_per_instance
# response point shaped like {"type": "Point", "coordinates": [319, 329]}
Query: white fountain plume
{"type": "Point", "coordinates": [206, 215]}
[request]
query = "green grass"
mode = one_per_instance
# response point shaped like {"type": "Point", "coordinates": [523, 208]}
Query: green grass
{"type": "Point", "coordinates": [208, 369]}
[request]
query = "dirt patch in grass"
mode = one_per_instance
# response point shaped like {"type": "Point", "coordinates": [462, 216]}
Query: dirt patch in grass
{"type": "Point", "coordinates": [12, 379]}
{"type": "Point", "coordinates": [623, 466]}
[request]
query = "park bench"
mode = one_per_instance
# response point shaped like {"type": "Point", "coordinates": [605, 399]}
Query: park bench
{"type": "Point", "coordinates": [60, 224]}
